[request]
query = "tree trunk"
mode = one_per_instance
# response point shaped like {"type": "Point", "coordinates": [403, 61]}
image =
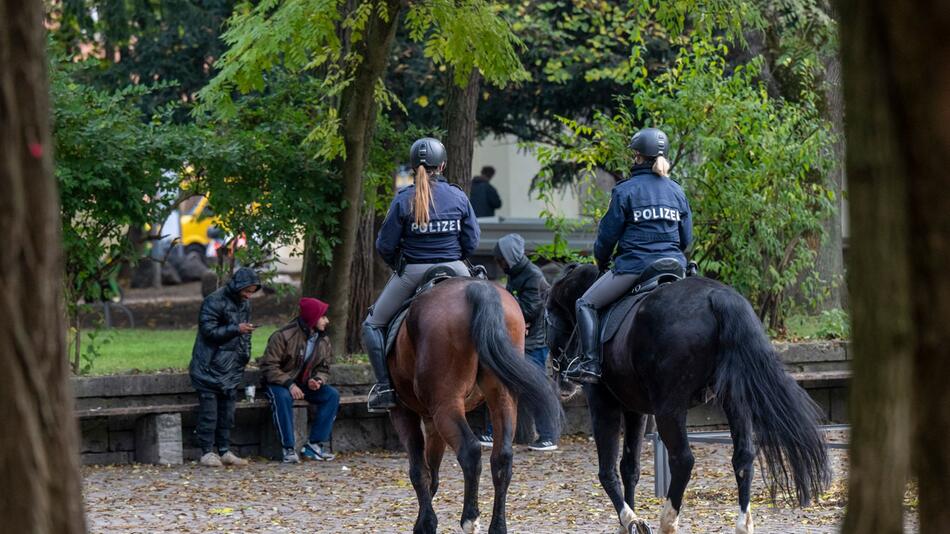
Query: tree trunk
{"type": "Point", "coordinates": [459, 117]}
{"type": "Point", "coordinates": [39, 460]}
{"type": "Point", "coordinates": [358, 116]}
{"type": "Point", "coordinates": [898, 128]}
{"type": "Point", "coordinates": [363, 290]}
{"type": "Point", "coordinates": [830, 261]}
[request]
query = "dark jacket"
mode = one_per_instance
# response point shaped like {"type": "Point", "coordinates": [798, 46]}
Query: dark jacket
{"type": "Point", "coordinates": [484, 197]}
{"type": "Point", "coordinates": [283, 360]}
{"type": "Point", "coordinates": [221, 352]}
{"type": "Point", "coordinates": [526, 282]}
{"type": "Point", "coordinates": [452, 233]}
{"type": "Point", "coordinates": [648, 219]}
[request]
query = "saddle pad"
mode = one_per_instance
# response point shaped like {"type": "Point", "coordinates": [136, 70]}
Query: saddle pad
{"type": "Point", "coordinates": [393, 328]}
{"type": "Point", "coordinates": [615, 314]}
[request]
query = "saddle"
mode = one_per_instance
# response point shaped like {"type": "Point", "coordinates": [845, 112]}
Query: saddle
{"type": "Point", "coordinates": [434, 276]}
{"type": "Point", "coordinates": [659, 273]}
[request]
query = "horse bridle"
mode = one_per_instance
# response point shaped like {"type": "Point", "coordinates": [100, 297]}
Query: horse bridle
{"type": "Point", "coordinates": [556, 323]}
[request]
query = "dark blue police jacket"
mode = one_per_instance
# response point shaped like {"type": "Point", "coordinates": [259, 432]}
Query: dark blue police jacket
{"type": "Point", "coordinates": [648, 219]}
{"type": "Point", "coordinates": [452, 233]}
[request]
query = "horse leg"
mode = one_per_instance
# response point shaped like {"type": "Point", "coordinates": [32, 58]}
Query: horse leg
{"type": "Point", "coordinates": [634, 424]}
{"type": "Point", "coordinates": [504, 413]}
{"type": "Point", "coordinates": [408, 425]}
{"type": "Point", "coordinates": [435, 448]}
{"type": "Point", "coordinates": [743, 460]}
{"type": "Point", "coordinates": [606, 419]}
{"type": "Point", "coordinates": [450, 421]}
{"type": "Point", "coordinates": [672, 429]}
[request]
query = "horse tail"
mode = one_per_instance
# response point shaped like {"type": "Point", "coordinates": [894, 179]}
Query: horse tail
{"type": "Point", "coordinates": [752, 380]}
{"type": "Point", "coordinates": [527, 381]}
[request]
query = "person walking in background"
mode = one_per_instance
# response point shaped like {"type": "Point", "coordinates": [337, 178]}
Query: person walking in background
{"type": "Point", "coordinates": [295, 366]}
{"type": "Point", "coordinates": [527, 284]}
{"type": "Point", "coordinates": [222, 350]}
{"type": "Point", "coordinates": [484, 196]}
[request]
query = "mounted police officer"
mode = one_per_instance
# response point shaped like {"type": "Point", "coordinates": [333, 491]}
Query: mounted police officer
{"type": "Point", "coordinates": [648, 219]}
{"type": "Point", "coordinates": [429, 223]}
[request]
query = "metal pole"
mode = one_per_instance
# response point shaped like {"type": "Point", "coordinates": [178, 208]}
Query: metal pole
{"type": "Point", "coordinates": [661, 467]}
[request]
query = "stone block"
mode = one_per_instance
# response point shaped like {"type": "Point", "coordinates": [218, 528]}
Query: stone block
{"type": "Point", "coordinates": [158, 439]}
{"type": "Point", "coordinates": [121, 440]}
{"type": "Point", "coordinates": [359, 434]}
{"type": "Point", "coordinates": [839, 405]}
{"type": "Point", "coordinates": [95, 435]}
{"type": "Point", "coordinates": [270, 440]}
{"type": "Point", "coordinates": [106, 458]}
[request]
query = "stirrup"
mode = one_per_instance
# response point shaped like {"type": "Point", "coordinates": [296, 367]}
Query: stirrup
{"type": "Point", "coordinates": [579, 373]}
{"type": "Point", "coordinates": [381, 400]}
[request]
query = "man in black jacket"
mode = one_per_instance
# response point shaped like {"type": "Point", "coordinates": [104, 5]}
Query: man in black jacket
{"type": "Point", "coordinates": [484, 196]}
{"type": "Point", "coordinates": [222, 350]}
{"type": "Point", "coordinates": [527, 284]}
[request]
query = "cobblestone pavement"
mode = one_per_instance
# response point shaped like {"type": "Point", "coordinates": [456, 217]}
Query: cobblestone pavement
{"type": "Point", "coordinates": [370, 492]}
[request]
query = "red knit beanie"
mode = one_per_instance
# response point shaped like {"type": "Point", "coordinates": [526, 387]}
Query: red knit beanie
{"type": "Point", "coordinates": [311, 310]}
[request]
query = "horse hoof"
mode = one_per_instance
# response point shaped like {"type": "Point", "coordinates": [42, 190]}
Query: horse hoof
{"type": "Point", "coordinates": [640, 527]}
{"type": "Point", "coordinates": [471, 527]}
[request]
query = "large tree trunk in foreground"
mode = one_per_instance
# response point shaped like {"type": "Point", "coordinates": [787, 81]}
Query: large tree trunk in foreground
{"type": "Point", "coordinates": [897, 91]}
{"type": "Point", "coordinates": [358, 116]}
{"type": "Point", "coordinates": [39, 458]}
{"type": "Point", "coordinates": [459, 123]}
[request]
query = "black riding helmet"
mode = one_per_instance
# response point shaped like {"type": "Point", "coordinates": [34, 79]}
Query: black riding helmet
{"type": "Point", "coordinates": [650, 142]}
{"type": "Point", "coordinates": [427, 152]}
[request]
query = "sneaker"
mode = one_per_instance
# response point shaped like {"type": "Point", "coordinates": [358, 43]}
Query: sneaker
{"type": "Point", "coordinates": [313, 451]}
{"type": "Point", "coordinates": [486, 440]}
{"type": "Point", "coordinates": [546, 445]}
{"type": "Point", "coordinates": [210, 459]}
{"type": "Point", "coordinates": [290, 457]}
{"type": "Point", "coordinates": [229, 458]}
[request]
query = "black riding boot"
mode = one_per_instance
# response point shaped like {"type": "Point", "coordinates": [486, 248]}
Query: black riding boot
{"type": "Point", "coordinates": [381, 396]}
{"type": "Point", "coordinates": [586, 368]}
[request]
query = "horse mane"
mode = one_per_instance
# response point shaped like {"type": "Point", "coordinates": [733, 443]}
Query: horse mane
{"type": "Point", "coordinates": [570, 285]}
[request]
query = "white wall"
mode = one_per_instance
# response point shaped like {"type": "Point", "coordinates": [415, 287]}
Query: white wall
{"type": "Point", "coordinates": [514, 170]}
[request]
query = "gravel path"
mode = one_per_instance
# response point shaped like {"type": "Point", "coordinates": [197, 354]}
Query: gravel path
{"type": "Point", "coordinates": [370, 492]}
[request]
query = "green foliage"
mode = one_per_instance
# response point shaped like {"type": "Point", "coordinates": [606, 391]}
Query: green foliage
{"type": "Point", "coordinates": [752, 167]}
{"type": "Point", "coordinates": [136, 42]}
{"type": "Point", "coordinates": [261, 174]}
{"type": "Point", "coordinates": [834, 324]}
{"type": "Point", "coordinates": [115, 172]}
{"type": "Point", "coordinates": [303, 37]}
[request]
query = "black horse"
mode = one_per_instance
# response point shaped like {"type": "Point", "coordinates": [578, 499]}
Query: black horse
{"type": "Point", "coordinates": [688, 341]}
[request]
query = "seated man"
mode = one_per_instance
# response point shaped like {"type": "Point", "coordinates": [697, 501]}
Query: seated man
{"type": "Point", "coordinates": [296, 365]}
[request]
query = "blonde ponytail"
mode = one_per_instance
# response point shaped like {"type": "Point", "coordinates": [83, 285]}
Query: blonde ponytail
{"type": "Point", "coordinates": [662, 166]}
{"type": "Point", "coordinates": [421, 197]}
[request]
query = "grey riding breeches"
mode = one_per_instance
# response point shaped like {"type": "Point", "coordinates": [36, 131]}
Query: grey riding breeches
{"type": "Point", "coordinates": [400, 288]}
{"type": "Point", "coordinates": [608, 288]}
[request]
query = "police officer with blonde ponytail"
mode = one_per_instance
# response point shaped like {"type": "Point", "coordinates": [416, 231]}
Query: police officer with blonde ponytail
{"type": "Point", "coordinates": [429, 223]}
{"type": "Point", "coordinates": [648, 219]}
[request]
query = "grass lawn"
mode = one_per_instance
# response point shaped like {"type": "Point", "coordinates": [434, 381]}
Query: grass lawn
{"type": "Point", "coordinates": [148, 351]}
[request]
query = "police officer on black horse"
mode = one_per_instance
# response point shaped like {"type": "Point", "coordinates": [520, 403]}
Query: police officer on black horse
{"type": "Point", "coordinates": [429, 223]}
{"type": "Point", "coordinates": [648, 219]}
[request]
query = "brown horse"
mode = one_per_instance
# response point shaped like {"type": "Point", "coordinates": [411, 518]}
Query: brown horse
{"type": "Point", "coordinates": [463, 344]}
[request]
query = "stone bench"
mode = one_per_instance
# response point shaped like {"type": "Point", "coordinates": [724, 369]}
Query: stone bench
{"type": "Point", "coordinates": [158, 428]}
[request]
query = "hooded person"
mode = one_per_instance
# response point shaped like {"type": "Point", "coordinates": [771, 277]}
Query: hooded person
{"type": "Point", "coordinates": [296, 366]}
{"type": "Point", "coordinates": [221, 352]}
{"type": "Point", "coordinates": [527, 284]}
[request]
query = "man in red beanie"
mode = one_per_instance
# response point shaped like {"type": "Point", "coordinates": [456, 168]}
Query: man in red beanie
{"type": "Point", "coordinates": [295, 366]}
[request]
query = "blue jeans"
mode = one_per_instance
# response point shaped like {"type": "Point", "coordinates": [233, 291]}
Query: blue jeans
{"type": "Point", "coordinates": [542, 425]}
{"type": "Point", "coordinates": [327, 401]}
